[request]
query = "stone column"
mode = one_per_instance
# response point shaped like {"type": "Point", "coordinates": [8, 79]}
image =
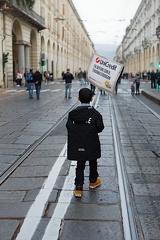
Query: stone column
{"type": "Point", "coordinates": [21, 59]}
{"type": "Point", "coordinates": [27, 56]}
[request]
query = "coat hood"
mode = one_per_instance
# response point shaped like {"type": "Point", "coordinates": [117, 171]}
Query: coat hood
{"type": "Point", "coordinates": [81, 114]}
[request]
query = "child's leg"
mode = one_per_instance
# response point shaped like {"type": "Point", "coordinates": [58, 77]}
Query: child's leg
{"type": "Point", "coordinates": [93, 170]}
{"type": "Point", "coordinates": [79, 180]}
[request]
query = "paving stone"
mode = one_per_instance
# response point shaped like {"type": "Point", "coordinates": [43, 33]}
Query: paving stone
{"type": "Point", "coordinates": [29, 171]}
{"type": "Point", "coordinates": [29, 140]}
{"type": "Point", "coordinates": [47, 153]}
{"type": "Point", "coordinates": [12, 196]}
{"type": "Point", "coordinates": [143, 178]}
{"type": "Point", "coordinates": [50, 146]}
{"type": "Point", "coordinates": [14, 210]}
{"type": "Point", "coordinates": [3, 167]}
{"type": "Point", "coordinates": [22, 184]}
{"type": "Point", "coordinates": [11, 151]}
{"type": "Point", "coordinates": [133, 161]}
{"type": "Point", "coordinates": [47, 161]}
{"type": "Point", "coordinates": [150, 226]}
{"type": "Point", "coordinates": [93, 212]}
{"type": "Point", "coordinates": [98, 197]}
{"type": "Point", "coordinates": [143, 169]}
{"type": "Point", "coordinates": [91, 230]}
{"type": "Point", "coordinates": [11, 226]}
{"type": "Point", "coordinates": [148, 189]}
{"type": "Point", "coordinates": [147, 205]}
{"type": "Point", "coordinates": [105, 161]}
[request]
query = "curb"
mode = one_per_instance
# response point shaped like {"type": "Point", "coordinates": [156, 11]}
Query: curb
{"type": "Point", "coordinates": [151, 96]}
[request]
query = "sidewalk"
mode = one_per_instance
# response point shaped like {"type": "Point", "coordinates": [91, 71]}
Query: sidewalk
{"type": "Point", "coordinates": [152, 94]}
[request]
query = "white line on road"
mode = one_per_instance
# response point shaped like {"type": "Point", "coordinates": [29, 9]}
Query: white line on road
{"type": "Point", "coordinates": [54, 225]}
{"type": "Point", "coordinates": [36, 210]}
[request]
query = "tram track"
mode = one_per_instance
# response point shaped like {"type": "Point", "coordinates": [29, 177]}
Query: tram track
{"type": "Point", "coordinates": [32, 147]}
{"type": "Point", "coordinates": [129, 222]}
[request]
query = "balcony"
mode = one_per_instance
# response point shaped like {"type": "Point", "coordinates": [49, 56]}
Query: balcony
{"type": "Point", "coordinates": [23, 12]}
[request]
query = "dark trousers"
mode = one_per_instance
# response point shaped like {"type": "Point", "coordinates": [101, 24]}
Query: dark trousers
{"type": "Point", "coordinates": [38, 89]}
{"type": "Point", "coordinates": [137, 88]}
{"type": "Point", "coordinates": [93, 174]}
{"type": "Point", "coordinates": [153, 83]}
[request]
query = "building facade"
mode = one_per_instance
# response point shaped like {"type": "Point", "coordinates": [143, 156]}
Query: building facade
{"type": "Point", "coordinates": [140, 47]}
{"type": "Point", "coordinates": [41, 34]}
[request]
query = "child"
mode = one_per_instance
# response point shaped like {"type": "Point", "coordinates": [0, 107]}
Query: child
{"type": "Point", "coordinates": [132, 89]}
{"type": "Point", "coordinates": [83, 125]}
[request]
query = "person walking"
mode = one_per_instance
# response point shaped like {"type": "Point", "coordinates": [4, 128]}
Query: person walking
{"type": "Point", "coordinates": [137, 81]}
{"type": "Point", "coordinates": [153, 79]}
{"type": "Point", "coordinates": [68, 77]}
{"type": "Point", "coordinates": [37, 78]}
{"type": "Point", "coordinates": [157, 76]}
{"type": "Point", "coordinates": [80, 76]}
{"type": "Point", "coordinates": [83, 125]}
{"type": "Point", "coordinates": [30, 83]}
{"type": "Point", "coordinates": [92, 89]}
{"type": "Point", "coordinates": [116, 87]}
{"type": "Point", "coordinates": [25, 78]}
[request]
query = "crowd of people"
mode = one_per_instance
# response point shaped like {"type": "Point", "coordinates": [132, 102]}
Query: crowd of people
{"type": "Point", "coordinates": [32, 80]}
{"type": "Point", "coordinates": [153, 76]}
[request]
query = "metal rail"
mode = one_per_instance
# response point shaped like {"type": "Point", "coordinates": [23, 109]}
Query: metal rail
{"type": "Point", "coordinates": [10, 170]}
{"type": "Point", "coordinates": [32, 147]}
{"type": "Point", "coordinates": [129, 224]}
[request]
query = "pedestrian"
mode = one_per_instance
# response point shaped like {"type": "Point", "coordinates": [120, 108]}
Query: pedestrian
{"type": "Point", "coordinates": [19, 79]}
{"type": "Point", "coordinates": [157, 78]}
{"type": "Point", "coordinates": [92, 89]}
{"type": "Point", "coordinates": [137, 81]}
{"type": "Point", "coordinates": [116, 87]}
{"type": "Point", "coordinates": [25, 78]}
{"type": "Point", "coordinates": [132, 89]}
{"type": "Point", "coordinates": [30, 83]}
{"type": "Point", "coordinates": [153, 79]}
{"type": "Point", "coordinates": [102, 91]}
{"type": "Point", "coordinates": [84, 77]}
{"type": "Point", "coordinates": [80, 76]}
{"type": "Point", "coordinates": [37, 78]}
{"type": "Point", "coordinates": [68, 77]}
{"type": "Point", "coordinates": [83, 125]}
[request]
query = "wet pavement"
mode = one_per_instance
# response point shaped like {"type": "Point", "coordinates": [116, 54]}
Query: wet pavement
{"type": "Point", "coordinates": [98, 214]}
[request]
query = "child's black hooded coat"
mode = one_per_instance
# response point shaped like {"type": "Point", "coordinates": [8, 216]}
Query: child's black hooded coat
{"type": "Point", "coordinates": [83, 125]}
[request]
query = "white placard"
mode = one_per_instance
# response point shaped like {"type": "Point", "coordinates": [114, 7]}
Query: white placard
{"type": "Point", "coordinates": [104, 73]}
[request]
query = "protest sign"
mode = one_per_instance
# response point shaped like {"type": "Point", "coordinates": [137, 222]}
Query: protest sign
{"type": "Point", "coordinates": [104, 73]}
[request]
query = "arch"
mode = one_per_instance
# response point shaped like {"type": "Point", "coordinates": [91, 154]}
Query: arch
{"type": "Point", "coordinates": [17, 30]}
{"type": "Point", "coordinates": [16, 37]}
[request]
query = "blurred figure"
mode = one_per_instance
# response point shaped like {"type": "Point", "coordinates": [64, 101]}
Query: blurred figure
{"type": "Point", "coordinates": [132, 89]}
{"type": "Point", "coordinates": [80, 76]}
{"type": "Point", "coordinates": [93, 89]}
{"type": "Point", "coordinates": [25, 78]}
{"type": "Point", "coordinates": [116, 87]}
{"type": "Point", "coordinates": [153, 79]}
{"type": "Point", "coordinates": [102, 91]}
{"type": "Point", "coordinates": [37, 78]}
{"type": "Point", "coordinates": [137, 81]}
{"type": "Point", "coordinates": [19, 79]}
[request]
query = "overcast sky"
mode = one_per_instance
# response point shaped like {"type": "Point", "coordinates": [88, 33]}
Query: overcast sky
{"type": "Point", "coordinates": [106, 20]}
